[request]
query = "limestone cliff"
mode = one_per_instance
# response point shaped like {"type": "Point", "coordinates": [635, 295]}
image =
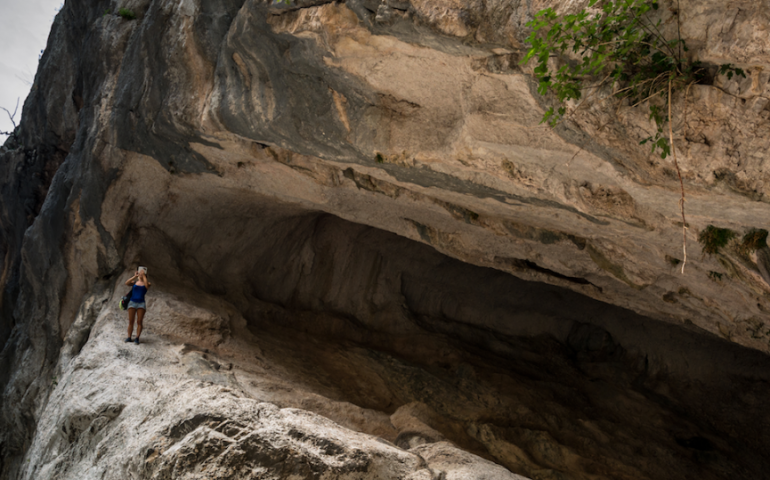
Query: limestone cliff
{"type": "Point", "coordinates": [369, 259]}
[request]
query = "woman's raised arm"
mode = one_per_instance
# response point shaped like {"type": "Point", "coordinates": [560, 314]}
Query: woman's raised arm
{"type": "Point", "coordinates": [132, 280]}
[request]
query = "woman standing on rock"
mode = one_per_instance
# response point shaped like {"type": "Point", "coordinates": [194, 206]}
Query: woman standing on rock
{"type": "Point", "coordinates": [136, 305]}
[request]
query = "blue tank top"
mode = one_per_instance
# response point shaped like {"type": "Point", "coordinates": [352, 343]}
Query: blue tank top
{"type": "Point", "coordinates": [137, 293]}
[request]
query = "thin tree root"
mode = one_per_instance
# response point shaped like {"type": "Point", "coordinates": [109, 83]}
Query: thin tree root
{"type": "Point", "coordinates": [679, 174]}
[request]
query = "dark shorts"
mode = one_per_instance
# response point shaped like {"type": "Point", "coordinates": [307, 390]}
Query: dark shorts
{"type": "Point", "coordinates": [137, 305]}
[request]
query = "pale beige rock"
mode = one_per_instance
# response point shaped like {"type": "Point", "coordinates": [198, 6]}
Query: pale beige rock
{"type": "Point", "coordinates": [460, 465]}
{"type": "Point", "coordinates": [165, 410]}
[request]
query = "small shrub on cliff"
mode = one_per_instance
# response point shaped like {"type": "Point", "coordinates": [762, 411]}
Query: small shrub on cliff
{"type": "Point", "coordinates": [752, 241]}
{"type": "Point", "coordinates": [713, 238]}
{"type": "Point", "coordinates": [127, 14]}
{"type": "Point", "coordinates": [755, 239]}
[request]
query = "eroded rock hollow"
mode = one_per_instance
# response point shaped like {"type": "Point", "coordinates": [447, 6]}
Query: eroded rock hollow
{"type": "Point", "coordinates": [369, 260]}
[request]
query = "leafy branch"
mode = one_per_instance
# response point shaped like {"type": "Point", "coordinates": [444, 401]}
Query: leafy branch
{"type": "Point", "coordinates": [620, 42]}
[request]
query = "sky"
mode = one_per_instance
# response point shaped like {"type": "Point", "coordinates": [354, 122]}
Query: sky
{"type": "Point", "coordinates": [24, 27]}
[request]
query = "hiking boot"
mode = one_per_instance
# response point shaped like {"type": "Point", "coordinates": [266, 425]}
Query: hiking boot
{"type": "Point", "coordinates": [128, 340]}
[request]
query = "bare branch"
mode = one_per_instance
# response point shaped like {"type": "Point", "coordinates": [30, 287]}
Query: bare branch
{"type": "Point", "coordinates": [12, 116]}
{"type": "Point", "coordinates": [22, 79]}
{"type": "Point", "coordinates": [657, 33]}
{"type": "Point", "coordinates": [686, 94]}
{"type": "Point", "coordinates": [604, 80]}
{"type": "Point", "coordinates": [645, 99]}
{"type": "Point", "coordinates": [652, 86]}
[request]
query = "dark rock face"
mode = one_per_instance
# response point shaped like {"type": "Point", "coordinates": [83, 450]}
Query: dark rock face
{"type": "Point", "coordinates": [328, 232]}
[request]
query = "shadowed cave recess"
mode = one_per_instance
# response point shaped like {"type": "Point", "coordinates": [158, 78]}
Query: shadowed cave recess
{"type": "Point", "coordinates": [472, 355]}
{"type": "Point", "coordinates": [343, 222]}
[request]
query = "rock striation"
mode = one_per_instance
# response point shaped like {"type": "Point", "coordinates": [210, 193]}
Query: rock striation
{"type": "Point", "coordinates": [369, 259]}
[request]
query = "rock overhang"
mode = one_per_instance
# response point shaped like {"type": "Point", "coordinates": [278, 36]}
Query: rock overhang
{"type": "Point", "coordinates": [328, 88]}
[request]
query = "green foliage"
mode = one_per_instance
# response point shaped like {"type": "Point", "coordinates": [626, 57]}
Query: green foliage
{"type": "Point", "coordinates": [713, 238]}
{"type": "Point", "coordinates": [126, 14]}
{"type": "Point", "coordinates": [729, 70]}
{"type": "Point", "coordinates": [379, 158]}
{"type": "Point", "coordinates": [715, 276]}
{"type": "Point", "coordinates": [106, 12]}
{"type": "Point", "coordinates": [619, 45]}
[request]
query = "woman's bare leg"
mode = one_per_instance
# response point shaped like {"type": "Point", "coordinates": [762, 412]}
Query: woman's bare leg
{"type": "Point", "coordinates": [131, 312]}
{"type": "Point", "coordinates": [139, 318]}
